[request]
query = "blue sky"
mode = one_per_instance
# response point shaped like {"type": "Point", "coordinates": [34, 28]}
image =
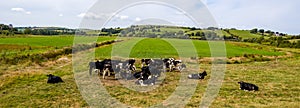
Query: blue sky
{"type": "Point", "coordinates": [277, 15]}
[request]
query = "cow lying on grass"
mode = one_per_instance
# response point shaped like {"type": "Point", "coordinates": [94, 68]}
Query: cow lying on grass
{"type": "Point", "coordinates": [54, 79]}
{"type": "Point", "coordinates": [150, 81]}
{"type": "Point", "coordinates": [198, 76]}
{"type": "Point", "coordinates": [248, 86]}
{"type": "Point", "coordinates": [145, 77]}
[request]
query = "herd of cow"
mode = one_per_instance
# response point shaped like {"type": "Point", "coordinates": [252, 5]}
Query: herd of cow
{"type": "Point", "coordinates": [151, 69]}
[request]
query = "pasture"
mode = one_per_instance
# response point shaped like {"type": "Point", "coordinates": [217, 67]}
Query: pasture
{"type": "Point", "coordinates": [278, 79]}
{"type": "Point", "coordinates": [244, 34]}
{"type": "Point", "coordinates": [163, 48]}
{"type": "Point", "coordinates": [50, 41]}
{"type": "Point", "coordinates": [20, 46]}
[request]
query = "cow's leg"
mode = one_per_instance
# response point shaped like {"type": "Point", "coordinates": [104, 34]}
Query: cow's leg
{"type": "Point", "coordinates": [104, 72]}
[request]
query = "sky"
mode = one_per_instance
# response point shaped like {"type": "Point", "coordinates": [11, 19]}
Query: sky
{"type": "Point", "coordinates": [276, 15]}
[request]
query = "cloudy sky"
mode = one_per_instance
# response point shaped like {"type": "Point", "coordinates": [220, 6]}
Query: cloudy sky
{"type": "Point", "coordinates": [277, 15]}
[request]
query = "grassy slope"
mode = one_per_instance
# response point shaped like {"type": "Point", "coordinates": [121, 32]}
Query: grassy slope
{"type": "Point", "coordinates": [157, 48]}
{"type": "Point", "coordinates": [244, 34]}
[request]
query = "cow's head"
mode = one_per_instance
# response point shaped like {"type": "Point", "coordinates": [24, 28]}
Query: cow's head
{"type": "Point", "coordinates": [204, 73]}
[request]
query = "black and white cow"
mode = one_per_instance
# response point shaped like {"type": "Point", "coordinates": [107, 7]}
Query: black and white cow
{"type": "Point", "coordinates": [54, 79]}
{"type": "Point", "coordinates": [198, 76]}
{"type": "Point", "coordinates": [97, 67]}
{"type": "Point", "coordinates": [150, 81]}
{"type": "Point", "coordinates": [172, 64]}
{"type": "Point", "coordinates": [145, 77]}
{"type": "Point", "coordinates": [168, 64]}
{"type": "Point", "coordinates": [178, 65]}
{"type": "Point", "coordinates": [125, 69]}
{"type": "Point", "coordinates": [145, 62]}
{"type": "Point", "coordinates": [247, 86]}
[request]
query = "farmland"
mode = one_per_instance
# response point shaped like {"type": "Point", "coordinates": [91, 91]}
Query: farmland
{"type": "Point", "coordinates": [244, 33]}
{"type": "Point", "coordinates": [159, 48]}
{"type": "Point", "coordinates": [24, 85]}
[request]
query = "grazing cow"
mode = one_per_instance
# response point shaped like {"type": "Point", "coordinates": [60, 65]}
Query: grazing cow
{"type": "Point", "coordinates": [248, 86]}
{"type": "Point", "coordinates": [198, 76]}
{"type": "Point", "coordinates": [54, 79]}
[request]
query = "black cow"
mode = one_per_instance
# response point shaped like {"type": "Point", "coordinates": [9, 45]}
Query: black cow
{"type": "Point", "coordinates": [54, 79]}
{"type": "Point", "coordinates": [198, 76]}
{"type": "Point", "coordinates": [248, 86]}
{"type": "Point", "coordinates": [96, 66]}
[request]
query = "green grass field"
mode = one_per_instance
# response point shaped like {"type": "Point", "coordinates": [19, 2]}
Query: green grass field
{"type": "Point", "coordinates": [38, 44]}
{"type": "Point", "coordinates": [24, 85]}
{"type": "Point", "coordinates": [158, 48]}
{"type": "Point", "coordinates": [279, 87]}
{"type": "Point", "coordinates": [52, 41]}
{"type": "Point", "coordinates": [244, 34]}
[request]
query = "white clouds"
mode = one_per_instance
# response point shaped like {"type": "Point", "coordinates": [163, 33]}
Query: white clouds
{"type": "Point", "coordinates": [22, 10]}
{"type": "Point", "coordinates": [276, 15]}
{"type": "Point", "coordinates": [123, 17]}
{"type": "Point", "coordinates": [138, 19]}
{"type": "Point", "coordinates": [95, 16]}
{"type": "Point", "coordinates": [91, 15]}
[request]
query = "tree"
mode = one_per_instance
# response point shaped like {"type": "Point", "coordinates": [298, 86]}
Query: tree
{"type": "Point", "coordinates": [192, 34]}
{"type": "Point", "coordinates": [198, 33]}
{"type": "Point", "coordinates": [254, 31]}
{"type": "Point", "coordinates": [262, 31]}
{"type": "Point", "coordinates": [27, 31]}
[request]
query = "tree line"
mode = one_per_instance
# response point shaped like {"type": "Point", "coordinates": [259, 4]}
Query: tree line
{"type": "Point", "coordinates": [9, 30]}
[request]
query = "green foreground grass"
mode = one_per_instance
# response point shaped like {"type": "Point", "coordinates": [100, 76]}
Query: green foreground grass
{"type": "Point", "coordinates": [278, 82]}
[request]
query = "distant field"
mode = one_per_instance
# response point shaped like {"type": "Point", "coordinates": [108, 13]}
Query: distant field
{"type": "Point", "coordinates": [52, 41]}
{"type": "Point", "coordinates": [158, 48]}
{"type": "Point", "coordinates": [38, 44]}
{"type": "Point", "coordinates": [244, 34]}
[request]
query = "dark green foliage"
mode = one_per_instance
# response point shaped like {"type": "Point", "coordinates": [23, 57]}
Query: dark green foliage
{"type": "Point", "coordinates": [254, 31]}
